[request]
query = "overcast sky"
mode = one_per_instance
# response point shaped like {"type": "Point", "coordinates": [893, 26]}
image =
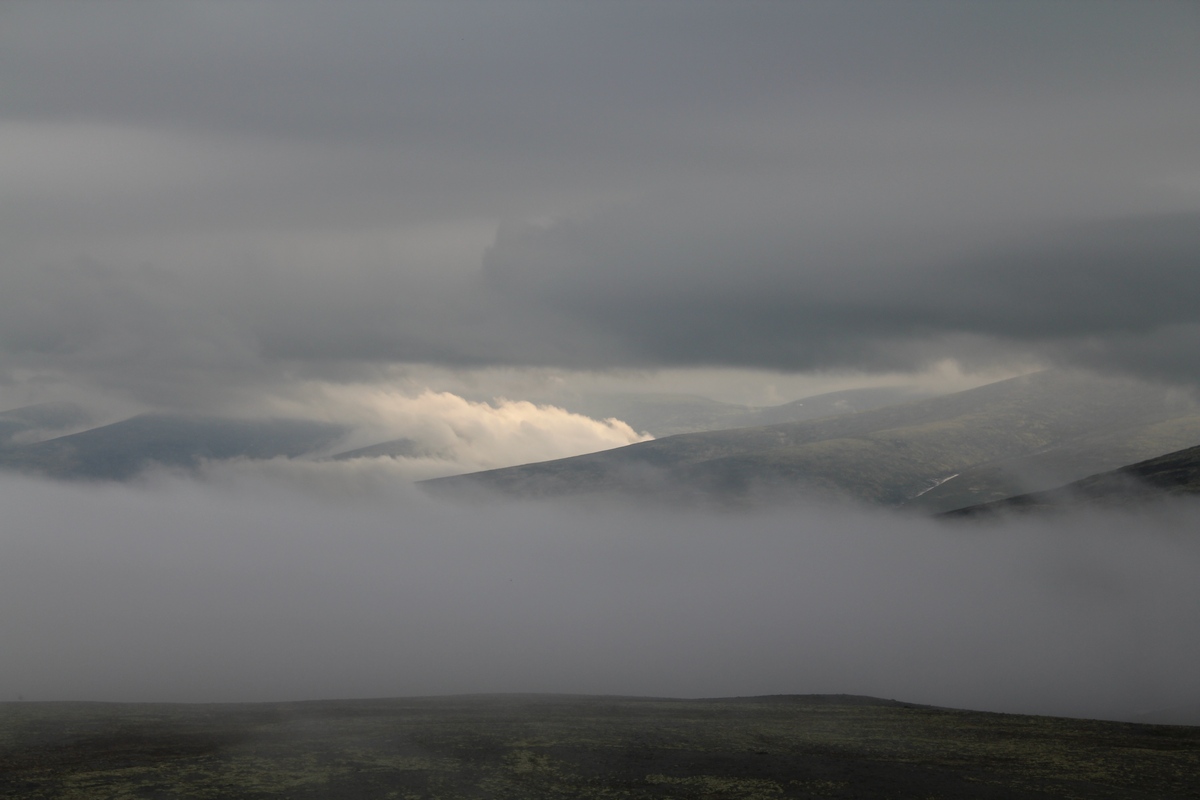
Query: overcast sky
{"type": "Point", "coordinates": [202, 199]}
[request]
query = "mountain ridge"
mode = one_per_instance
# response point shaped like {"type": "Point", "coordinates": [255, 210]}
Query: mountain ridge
{"type": "Point", "coordinates": [884, 456]}
{"type": "Point", "coordinates": [1175, 474]}
{"type": "Point", "coordinates": [121, 450]}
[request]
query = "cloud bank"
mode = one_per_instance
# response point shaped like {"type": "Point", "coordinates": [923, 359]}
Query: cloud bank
{"type": "Point", "coordinates": [195, 592]}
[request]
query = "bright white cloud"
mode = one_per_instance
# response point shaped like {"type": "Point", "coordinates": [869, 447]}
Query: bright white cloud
{"type": "Point", "coordinates": [449, 433]}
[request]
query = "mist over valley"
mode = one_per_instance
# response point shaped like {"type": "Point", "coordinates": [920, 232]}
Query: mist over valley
{"type": "Point", "coordinates": [182, 591]}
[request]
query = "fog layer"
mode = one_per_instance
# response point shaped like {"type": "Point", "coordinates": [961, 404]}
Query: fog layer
{"type": "Point", "coordinates": [259, 590]}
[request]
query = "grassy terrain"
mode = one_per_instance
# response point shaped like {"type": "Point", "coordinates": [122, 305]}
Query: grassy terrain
{"type": "Point", "coordinates": [580, 747]}
{"type": "Point", "coordinates": [888, 456]}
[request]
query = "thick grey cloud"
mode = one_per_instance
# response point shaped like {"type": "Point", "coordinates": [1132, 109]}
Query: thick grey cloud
{"type": "Point", "coordinates": [210, 196]}
{"type": "Point", "coordinates": [779, 296]}
{"type": "Point", "coordinates": [257, 591]}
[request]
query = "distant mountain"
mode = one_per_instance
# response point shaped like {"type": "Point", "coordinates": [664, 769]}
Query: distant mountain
{"type": "Point", "coordinates": [44, 418]}
{"type": "Point", "coordinates": [123, 449]}
{"type": "Point", "coordinates": [659, 413]}
{"type": "Point", "coordinates": [663, 414]}
{"type": "Point", "coordinates": [832, 404]}
{"type": "Point", "coordinates": [888, 456]}
{"type": "Point", "coordinates": [1172, 475]}
{"type": "Point", "coordinates": [396, 448]}
{"type": "Point", "coordinates": [1184, 714]}
{"type": "Point", "coordinates": [1054, 466]}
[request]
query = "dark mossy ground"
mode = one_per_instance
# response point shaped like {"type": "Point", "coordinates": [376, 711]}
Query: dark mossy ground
{"type": "Point", "coordinates": [582, 747]}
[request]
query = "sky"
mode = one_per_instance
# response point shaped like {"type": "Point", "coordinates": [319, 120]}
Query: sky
{"type": "Point", "coordinates": [209, 203]}
{"type": "Point", "coordinates": [448, 217]}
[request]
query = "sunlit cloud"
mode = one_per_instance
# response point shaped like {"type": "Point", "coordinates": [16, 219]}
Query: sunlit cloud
{"type": "Point", "coordinates": [446, 433]}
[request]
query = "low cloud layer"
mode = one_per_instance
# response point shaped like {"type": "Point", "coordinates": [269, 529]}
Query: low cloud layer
{"type": "Point", "coordinates": [187, 591]}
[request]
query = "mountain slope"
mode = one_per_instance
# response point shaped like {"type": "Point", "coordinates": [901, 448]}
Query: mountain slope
{"type": "Point", "coordinates": [39, 420]}
{"type": "Point", "coordinates": [831, 404]}
{"type": "Point", "coordinates": [123, 449]}
{"type": "Point", "coordinates": [671, 414]}
{"type": "Point", "coordinates": [1172, 475]}
{"type": "Point", "coordinates": [659, 413]}
{"type": "Point", "coordinates": [1054, 466]}
{"type": "Point", "coordinates": [887, 455]}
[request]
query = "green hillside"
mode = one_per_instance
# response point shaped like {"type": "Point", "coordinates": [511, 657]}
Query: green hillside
{"type": "Point", "coordinates": [889, 455]}
{"type": "Point", "coordinates": [595, 748]}
{"type": "Point", "coordinates": [123, 449]}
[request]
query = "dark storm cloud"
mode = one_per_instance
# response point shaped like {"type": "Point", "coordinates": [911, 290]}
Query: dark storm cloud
{"type": "Point", "coordinates": [779, 297]}
{"type": "Point", "coordinates": [213, 194]}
